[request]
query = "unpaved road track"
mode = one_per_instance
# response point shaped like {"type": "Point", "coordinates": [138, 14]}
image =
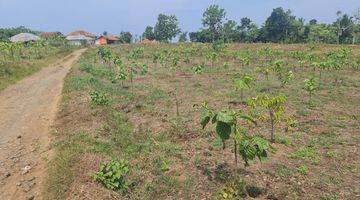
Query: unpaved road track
{"type": "Point", "coordinates": [27, 110]}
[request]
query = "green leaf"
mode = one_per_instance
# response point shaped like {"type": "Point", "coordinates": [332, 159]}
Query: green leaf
{"type": "Point", "coordinates": [204, 121]}
{"type": "Point", "coordinates": [226, 116]}
{"type": "Point", "coordinates": [247, 118]}
{"type": "Point", "coordinates": [223, 130]}
{"type": "Point", "coordinates": [217, 143]}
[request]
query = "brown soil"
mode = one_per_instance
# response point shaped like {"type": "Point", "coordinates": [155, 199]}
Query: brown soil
{"type": "Point", "coordinates": [27, 110]}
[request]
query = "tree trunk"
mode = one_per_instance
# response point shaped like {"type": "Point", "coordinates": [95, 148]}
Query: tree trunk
{"type": "Point", "coordinates": [242, 94]}
{"type": "Point", "coordinates": [354, 39]}
{"type": "Point", "coordinates": [177, 107]}
{"type": "Point", "coordinates": [272, 139]}
{"type": "Point", "coordinates": [235, 152]}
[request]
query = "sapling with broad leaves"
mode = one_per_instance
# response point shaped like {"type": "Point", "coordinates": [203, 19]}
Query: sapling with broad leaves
{"type": "Point", "coordinates": [227, 126]}
{"type": "Point", "coordinates": [212, 57]}
{"type": "Point", "coordinates": [275, 108]}
{"type": "Point", "coordinates": [283, 75]}
{"type": "Point", "coordinates": [245, 60]}
{"type": "Point", "coordinates": [106, 55]}
{"type": "Point", "coordinates": [133, 56]}
{"type": "Point", "coordinates": [310, 87]}
{"type": "Point", "coordinates": [120, 74]}
{"type": "Point", "coordinates": [243, 83]}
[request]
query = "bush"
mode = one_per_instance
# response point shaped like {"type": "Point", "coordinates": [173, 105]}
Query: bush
{"type": "Point", "coordinates": [113, 175]}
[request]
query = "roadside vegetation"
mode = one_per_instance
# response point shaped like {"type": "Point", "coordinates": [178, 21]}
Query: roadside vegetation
{"type": "Point", "coordinates": [209, 121]}
{"type": "Point", "coordinates": [18, 60]}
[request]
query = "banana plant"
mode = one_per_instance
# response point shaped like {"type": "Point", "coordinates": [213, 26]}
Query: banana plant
{"type": "Point", "coordinates": [275, 108]}
{"type": "Point", "coordinates": [227, 126]}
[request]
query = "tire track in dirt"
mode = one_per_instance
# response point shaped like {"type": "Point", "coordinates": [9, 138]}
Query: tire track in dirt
{"type": "Point", "coordinates": [27, 110]}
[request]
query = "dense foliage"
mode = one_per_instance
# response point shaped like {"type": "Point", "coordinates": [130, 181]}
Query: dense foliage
{"type": "Point", "coordinates": [281, 26]}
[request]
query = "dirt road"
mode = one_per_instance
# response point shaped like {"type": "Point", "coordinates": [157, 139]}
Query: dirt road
{"type": "Point", "coordinates": [27, 110]}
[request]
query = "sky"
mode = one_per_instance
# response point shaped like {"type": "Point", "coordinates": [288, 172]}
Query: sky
{"type": "Point", "coordinates": [114, 16]}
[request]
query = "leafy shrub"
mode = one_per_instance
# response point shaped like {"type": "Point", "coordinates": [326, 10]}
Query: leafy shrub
{"type": "Point", "coordinates": [99, 98]}
{"type": "Point", "coordinates": [113, 175]}
{"type": "Point", "coordinates": [226, 125]}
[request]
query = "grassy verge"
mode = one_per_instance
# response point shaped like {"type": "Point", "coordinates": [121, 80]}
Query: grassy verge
{"type": "Point", "coordinates": [14, 71]}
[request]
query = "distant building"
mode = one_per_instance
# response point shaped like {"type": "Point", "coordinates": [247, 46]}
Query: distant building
{"type": "Point", "coordinates": [49, 35]}
{"type": "Point", "coordinates": [107, 39]}
{"type": "Point", "coordinates": [79, 38]}
{"type": "Point", "coordinates": [24, 37]}
{"type": "Point", "coordinates": [81, 32]}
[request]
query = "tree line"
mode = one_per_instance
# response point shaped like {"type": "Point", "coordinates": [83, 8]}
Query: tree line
{"type": "Point", "coordinates": [280, 27]}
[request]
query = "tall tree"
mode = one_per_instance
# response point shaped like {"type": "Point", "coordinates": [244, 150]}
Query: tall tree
{"type": "Point", "coordinates": [183, 37]}
{"type": "Point", "coordinates": [229, 31]}
{"type": "Point", "coordinates": [245, 23]}
{"type": "Point", "coordinates": [213, 19]}
{"type": "Point", "coordinates": [356, 29]}
{"type": "Point", "coordinates": [247, 31]}
{"type": "Point", "coordinates": [201, 36]}
{"type": "Point", "coordinates": [149, 33]}
{"type": "Point", "coordinates": [322, 33]}
{"type": "Point", "coordinates": [313, 22]}
{"type": "Point", "coordinates": [344, 25]}
{"type": "Point", "coordinates": [166, 28]}
{"type": "Point", "coordinates": [278, 25]}
{"type": "Point", "coordinates": [125, 37]}
{"type": "Point", "coordinates": [252, 33]}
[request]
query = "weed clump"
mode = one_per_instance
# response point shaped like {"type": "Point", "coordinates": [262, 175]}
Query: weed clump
{"type": "Point", "coordinates": [113, 175]}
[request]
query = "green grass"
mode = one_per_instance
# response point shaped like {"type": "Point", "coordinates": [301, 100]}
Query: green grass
{"type": "Point", "coordinates": [13, 71]}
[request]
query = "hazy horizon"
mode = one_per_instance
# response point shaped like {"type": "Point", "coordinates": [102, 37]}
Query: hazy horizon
{"type": "Point", "coordinates": [134, 15]}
